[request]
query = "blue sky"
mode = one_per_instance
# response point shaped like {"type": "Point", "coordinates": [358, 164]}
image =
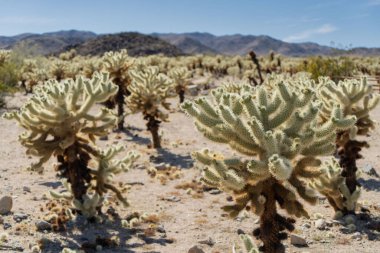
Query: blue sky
{"type": "Point", "coordinates": [345, 22]}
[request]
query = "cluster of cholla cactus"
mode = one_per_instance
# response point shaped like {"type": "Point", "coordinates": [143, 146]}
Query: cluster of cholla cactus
{"type": "Point", "coordinates": [181, 79]}
{"type": "Point", "coordinates": [355, 99]}
{"type": "Point", "coordinates": [58, 123]}
{"type": "Point", "coordinates": [118, 65]}
{"type": "Point", "coordinates": [279, 132]}
{"type": "Point", "coordinates": [149, 90]}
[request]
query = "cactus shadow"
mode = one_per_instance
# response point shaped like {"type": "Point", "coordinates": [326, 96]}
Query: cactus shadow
{"type": "Point", "coordinates": [82, 235]}
{"type": "Point", "coordinates": [370, 184]}
{"type": "Point", "coordinates": [135, 137]}
{"type": "Point", "coordinates": [53, 185]}
{"type": "Point", "coordinates": [166, 156]}
{"type": "Point", "coordinates": [366, 224]}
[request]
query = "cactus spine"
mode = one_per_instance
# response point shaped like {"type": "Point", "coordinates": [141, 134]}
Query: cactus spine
{"type": "Point", "coordinates": [279, 130]}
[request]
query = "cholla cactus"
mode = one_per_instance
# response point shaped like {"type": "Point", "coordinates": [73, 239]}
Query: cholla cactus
{"type": "Point", "coordinates": [118, 65]}
{"type": "Point", "coordinates": [58, 123]}
{"type": "Point", "coordinates": [181, 78]}
{"type": "Point", "coordinates": [280, 127]}
{"type": "Point", "coordinates": [149, 90]}
{"type": "Point", "coordinates": [58, 69]}
{"type": "Point", "coordinates": [355, 98]}
{"type": "Point", "coordinates": [4, 56]}
{"type": "Point", "coordinates": [248, 245]}
{"type": "Point", "coordinates": [333, 185]}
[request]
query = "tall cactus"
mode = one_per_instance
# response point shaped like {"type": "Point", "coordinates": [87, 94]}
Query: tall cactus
{"type": "Point", "coordinates": [356, 99]}
{"type": "Point", "coordinates": [149, 90]}
{"type": "Point", "coordinates": [118, 65]}
{"type": "Point", "coordinates": [279, 132]}
{"type": "Point", "coordinates": [58, 123]}
{"type": "Point", "coordinates": [181, 80]}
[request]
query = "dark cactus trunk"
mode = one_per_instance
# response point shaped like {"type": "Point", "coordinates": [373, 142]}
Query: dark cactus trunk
{"type": "Point", "coordinates": [256, 62]}
{"type": "Point", "coordinates": [272, 224]}
{"type": "Point", "coordinates": [153, 126]}
{"type": "Point", "coordinates": [348, 154]}
{"type": "Point", "coordinates": [73, 166]}
{"type": "Point", "coordinates": [120, 109]}
{"type": "Point", "coordinates": [181, 94]}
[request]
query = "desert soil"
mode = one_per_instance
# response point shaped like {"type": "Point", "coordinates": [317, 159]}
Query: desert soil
{"type": "Point", "coordinates": [185, 218]}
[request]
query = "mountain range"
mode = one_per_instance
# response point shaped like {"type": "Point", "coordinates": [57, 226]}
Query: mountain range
{"type": "Point", "coordinates": [170, 44]}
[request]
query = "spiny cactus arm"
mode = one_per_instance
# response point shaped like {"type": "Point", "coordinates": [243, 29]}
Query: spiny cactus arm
{"type": "Point", "coordinates": [108, 167]}
{"type": "Point", "coordinates": [249, 245]}
{"type": "Point", "coordinates": [89, 205]}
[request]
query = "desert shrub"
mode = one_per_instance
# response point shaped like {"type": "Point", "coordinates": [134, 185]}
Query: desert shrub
{"type": "Point", "coordinates": [335, 68]}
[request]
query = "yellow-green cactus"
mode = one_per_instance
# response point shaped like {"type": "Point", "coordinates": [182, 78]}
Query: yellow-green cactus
{"type": "Point", "coordinates": [279, 130]}
{"type": "Point", "coordinates": [181, 78]}
{"type": "Point", "coordinates": [248, 245]}
{"type": "Point", "coordinates": [149, 91]}
{"type": "Point", "coordinates": [356, 99]}
{"type": "Point", "coordinates": [333, 185]}
{"type": "Point", "coordinates": [58, 122]}
{"type": "Point", "coordinates": [118, 64]}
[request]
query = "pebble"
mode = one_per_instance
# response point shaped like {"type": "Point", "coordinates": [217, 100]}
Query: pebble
{"type": "Point", "coordinates": [6, 204]}
{"type": "Point", "coordinates": [297, 240]}
{"type": "Point", "coordinates": [215, 192]}
{"type": "Point", "coordinates": [26, 189]}
{"type": "Point", "coordinates": [209, 242]}
{"type": "Point", "coordinates": [7, 225]}
{"type": "Point", "coordinates": [195, 249]}
{"type": "Point", "coordinates": [369, 170]}
{"type": "Point", "coordinates": [18, 217]}
{"type": "Point", "coordinates": [320, 224]}
{"type": "Point", "coordinates": [173, 199]}
{"type": "Point", "coordinates": [42, 225]}
{"type": "Point", "coordinates": [356, 236]}
{"type": "Point", "coordinates": [161, 229]}
{"type": "Point", "coordinates": [306, 225]}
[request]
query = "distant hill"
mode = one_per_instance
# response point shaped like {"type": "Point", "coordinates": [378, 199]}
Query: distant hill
{"type": "Point", "coordinates": [238, 44]}
{"type": "Point", "coordinates": [170, 44]}
{"type": "Point", "coordinates": [47, 43]}
{"type": "Point", "coordinates": [137, 44]}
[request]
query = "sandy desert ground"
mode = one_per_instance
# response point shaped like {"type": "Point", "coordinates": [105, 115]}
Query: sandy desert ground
{"type": "Point", "coordinates": [185, 218]}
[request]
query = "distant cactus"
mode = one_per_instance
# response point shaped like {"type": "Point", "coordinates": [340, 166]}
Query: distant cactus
{"type": "Point", "coordinates": [118, 65]}
{"type": "Point", "coordinates": [58, 123]}
{"type": "Point", "coordinates": [181, 78]}
{"type": "Point", "coordinates": [280, 127]}
{"type": "Point", "coordinates": [355, 99]}
{"type": "Point", "coordinates": [149, 91]}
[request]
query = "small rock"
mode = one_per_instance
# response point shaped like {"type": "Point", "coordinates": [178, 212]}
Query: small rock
{"type": "Point", "coordinates": [26, 189]}
{"type": "Point", "coordinates": [215, 192]}
{"type": "Point", "coordinates": [306, 225]}
{"type": "Point", "coordinates": [161, 229]}
{"type": "Point", "coordinates": [193, 90]}
{"type": "Point", "coordinates": [369, 170]}
{"type": "Point", "coordinates": [297, 240]}
{"type": "Point", "coordinates": [103, 138]}
{"type": "Point", "coordinates": [7, 225]}
{"type": "Point", "coordinates": [19, 217]}
{"type": "Point", "coordinates": [42, 225]}
{"type": "Point", "coordinates": [195, 249]}
{"type": "Point", "coordinates": [173, 199]}
{"type": "Point", "coordinates": [320, 224]}
{"type": "Point", "coordinates": [356, 236]}
{"type": "Point", "coordinates": [240, 231]}
{"type": "Point", "coordinates": [6, 204]}
{"type": "Point", "coordinates": [209, 242]}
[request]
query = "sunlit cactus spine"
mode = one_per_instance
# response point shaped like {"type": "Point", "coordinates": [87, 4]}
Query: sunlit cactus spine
{"type": "Point", "coordinates": [181, 79]}
{"type": "Point", "coordinates": [118, 64]}
{"type": "Point", "coordinates": [279, 129]}
{"type": "Point", "coordinates": [356, 98]}
{"type": "Point", "coordinates": [149, 90]}
{"type": "Point", "coordinates": [58, 122]}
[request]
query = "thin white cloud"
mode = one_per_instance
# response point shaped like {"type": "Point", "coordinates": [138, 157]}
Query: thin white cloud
{"type": "Point", "coordinates": [324, 29]}
{"type": "Point", "coordinates": [18, 20]}
{"type": "Point", "coordinates": [373, 2]}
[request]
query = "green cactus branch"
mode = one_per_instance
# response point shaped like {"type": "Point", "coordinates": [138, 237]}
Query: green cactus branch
{"type": "Point", "coordinates": [279, 129]}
